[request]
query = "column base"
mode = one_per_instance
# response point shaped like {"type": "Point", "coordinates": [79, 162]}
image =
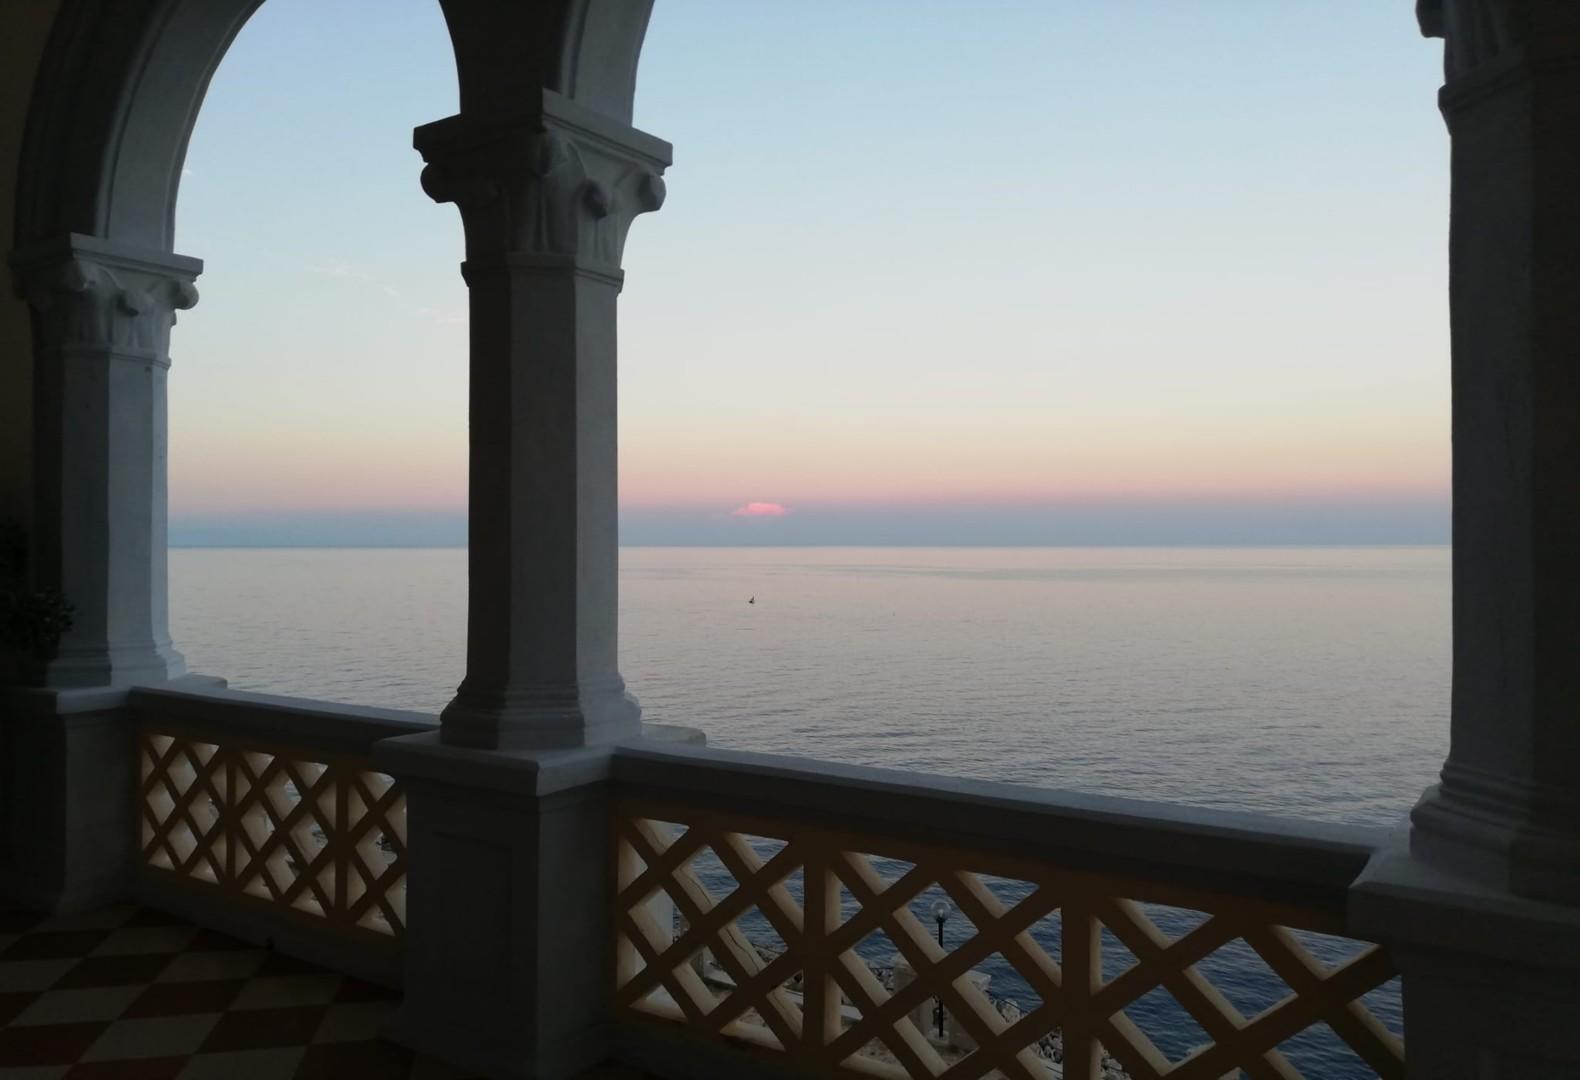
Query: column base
{"type": "Point", "coordinates": [67, 761]}
{"type": "Point", "coordinates": [68, 770]}
{"type": "Point", "coordinates": [509, 962]}
{"type": "Point", "coordinates": [508, 947]}
{"type": "Point", "coordinates": [1522, 838]}
{"type": "Point", "coordinates": [540, 721]}
{"type": "Point", "coordinates": [88, 668]}
{"type": "Point", "coordinates": [1491, 979]}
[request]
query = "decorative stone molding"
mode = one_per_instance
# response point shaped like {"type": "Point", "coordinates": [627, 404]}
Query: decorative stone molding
{"type": "Point", "coordinates": [1474, 31]}
{"type": "Point", "coordinates": [88, 292]}
{"type": "Point", "coordinates": [1478, 32]}
{"type": "Point", "coordinates": [1519, 834]}
{"type": "Point", "coordinates": [103, 311]}
{"type": "Point", "coordinates": [568, 183]}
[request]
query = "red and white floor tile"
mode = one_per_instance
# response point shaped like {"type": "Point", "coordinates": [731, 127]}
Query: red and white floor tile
{"type": "Point", "coordinates": [131, 994]}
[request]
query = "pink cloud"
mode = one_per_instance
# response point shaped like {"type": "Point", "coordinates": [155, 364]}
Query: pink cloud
{"type": "Point", "coordinates": [759, 509]}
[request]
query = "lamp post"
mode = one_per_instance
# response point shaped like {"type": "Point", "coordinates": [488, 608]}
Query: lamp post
{"type": "Point", "coordinates": [941, 913]}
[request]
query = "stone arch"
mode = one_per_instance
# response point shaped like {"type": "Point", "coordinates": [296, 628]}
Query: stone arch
{"type": "Point", "coordinates": [117, 95]}
{"type": "Point", "coordinates": [122, 81]}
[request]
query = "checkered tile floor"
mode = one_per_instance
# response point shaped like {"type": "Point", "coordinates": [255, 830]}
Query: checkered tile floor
{"type": "Point", "coordinates": [132, 994]}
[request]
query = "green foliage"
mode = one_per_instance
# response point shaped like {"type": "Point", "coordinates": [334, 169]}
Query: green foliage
{"type": "Point", "coordinates": [32, 623]}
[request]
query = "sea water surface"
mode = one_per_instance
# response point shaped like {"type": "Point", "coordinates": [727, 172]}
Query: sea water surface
{"type": "Point", "coordinates": [1307, 682]}
{"type": "Point", "coordinates": [1302, 682]}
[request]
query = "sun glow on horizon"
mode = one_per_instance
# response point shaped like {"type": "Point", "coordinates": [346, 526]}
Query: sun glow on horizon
{"type": "Point", "coordinates": [759, 510]}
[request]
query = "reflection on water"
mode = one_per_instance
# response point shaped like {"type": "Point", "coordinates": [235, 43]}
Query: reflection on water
{"type": "Point", "coordinates": [1306, 682]}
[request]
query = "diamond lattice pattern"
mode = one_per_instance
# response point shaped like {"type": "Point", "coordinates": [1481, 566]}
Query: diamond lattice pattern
{"type": "Point", "coordinates": [820, 1005]}
{"type": "Point", "coordinates": [320, 834]}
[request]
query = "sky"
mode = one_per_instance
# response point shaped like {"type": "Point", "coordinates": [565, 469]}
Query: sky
{"type": "Point", "coordinates": [930, 271]}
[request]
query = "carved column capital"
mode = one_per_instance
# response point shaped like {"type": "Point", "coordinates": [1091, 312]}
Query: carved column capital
{"type": "Point", "coordinates": [564, 182]}
{"type": "Point", "coordinates": [102, 312]}
{"type": "Point", "coordinates": [1478, 32]}
{"type": "Point", "coordinates": [92, 293]}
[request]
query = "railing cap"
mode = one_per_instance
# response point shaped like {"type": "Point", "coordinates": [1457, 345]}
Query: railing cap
{"type": "Point", "coordinates": [319, 725]}
{"type": "Point", "coordinates": [1223, 851]}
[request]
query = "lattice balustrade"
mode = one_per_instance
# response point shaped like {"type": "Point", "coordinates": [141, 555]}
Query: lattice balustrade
{"type": "Point", "coordinates": [318, 834]}
{"type": "Point", "coordinates": [817, 947]}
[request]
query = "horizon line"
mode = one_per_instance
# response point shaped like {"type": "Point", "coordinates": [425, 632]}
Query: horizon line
{"type": "Point", "coordinates": [811, 544]}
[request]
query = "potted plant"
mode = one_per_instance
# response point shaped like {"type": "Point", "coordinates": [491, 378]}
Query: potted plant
{"type": "Point", "coordinates": [32, 624]}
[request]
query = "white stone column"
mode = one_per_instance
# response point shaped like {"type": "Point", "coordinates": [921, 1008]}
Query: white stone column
{"type": "Point", "coordinates": [102, 314]}
{"type": "Point", "coordinates": [1508, 808]}
{"type": "Point", "coordinates": [1481, 907]}
{"type": "Point", "coordinates": [546, 203]}
{"type": "Point", "coordinates": [509, 947]}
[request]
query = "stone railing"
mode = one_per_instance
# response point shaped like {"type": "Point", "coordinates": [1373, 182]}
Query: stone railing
{"type": "Point", "coordinates": [1129, 939]}
{"type": "Point", "coordinates": [264, 816]}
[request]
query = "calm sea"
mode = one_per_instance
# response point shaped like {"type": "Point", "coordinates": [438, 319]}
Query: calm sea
{"type": "Point", "coordinates": [1303, 682]}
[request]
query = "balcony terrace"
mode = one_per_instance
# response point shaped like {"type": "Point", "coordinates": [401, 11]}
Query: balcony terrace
{"type": "Point", "coordinates": [273, 822]}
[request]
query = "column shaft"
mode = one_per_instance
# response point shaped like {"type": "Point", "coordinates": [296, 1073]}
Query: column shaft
{"type": "Point", "coordinates": [546, 201]}
{"type": "Point", "coordinates": [1508, 807]}
{"type": "Point", "coordinates": [102, 319]}
{"type": "Point", "coordinates": [543, 558]}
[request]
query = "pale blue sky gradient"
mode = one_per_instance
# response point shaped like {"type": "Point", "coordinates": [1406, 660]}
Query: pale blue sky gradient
{"type": "Point", "coordinates": [1129, 271]}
